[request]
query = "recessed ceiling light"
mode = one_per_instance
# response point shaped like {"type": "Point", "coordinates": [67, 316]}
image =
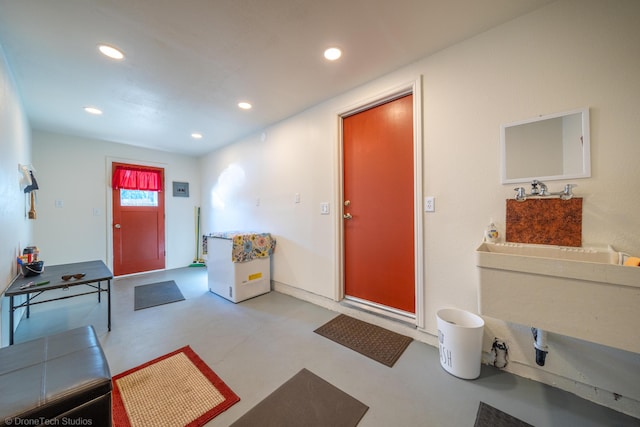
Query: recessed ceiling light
{"type": "Point", "coordinates": [93, 110]}
{"type": "Point", "coordinates": [332, 53]}
{"type": "Point", "coordinates": [196, 135]}
{"type": "Point", "coordinates": [111, 51]}
{"type": "Point", "coordinates": [244, 105]}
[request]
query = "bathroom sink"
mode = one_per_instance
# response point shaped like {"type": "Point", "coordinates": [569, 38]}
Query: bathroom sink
{"type": "Point", "coordinates": [580, 292]}
{"type": "Point", "coordinates": [593, 254]}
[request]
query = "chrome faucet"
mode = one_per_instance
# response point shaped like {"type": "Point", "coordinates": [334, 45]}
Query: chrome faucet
{"type": "Point", "coordinates": [540, 189]}
{"type": "Point", "coordinates": [567, 193]}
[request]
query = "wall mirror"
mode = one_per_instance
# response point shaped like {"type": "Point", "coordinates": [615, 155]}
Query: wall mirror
{"type": "Point", "coordinates": [550, 147]}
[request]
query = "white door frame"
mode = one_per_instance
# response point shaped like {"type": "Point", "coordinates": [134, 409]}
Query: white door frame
{"type": "Point", "coordinates": [413, 87]}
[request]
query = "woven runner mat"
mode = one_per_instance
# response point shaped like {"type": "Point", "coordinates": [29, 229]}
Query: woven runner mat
{"type": "Point", "coordinates": [177, 389]}
{"type": "Point", "coordinates": [305, 400]}
{"type": "Point", "coordinates": [154, 294]}
{"type": "Point", "coordinates": [488, 416]}
{"type": "Point", "coordinates": [379, 344]}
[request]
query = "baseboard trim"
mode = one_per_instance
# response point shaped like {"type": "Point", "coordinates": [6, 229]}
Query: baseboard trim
{"type": "Point", "coordinates": [399, 326]}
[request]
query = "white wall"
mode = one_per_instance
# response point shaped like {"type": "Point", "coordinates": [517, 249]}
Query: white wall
{"type": "Point", "coordinates": [15, 147]}
{"type": "Point", "coordinates": [295, 157]}
{"type": "Point", "coordinates": [76, 171]}
{"type": "Point", "coordinates": [570, 54]}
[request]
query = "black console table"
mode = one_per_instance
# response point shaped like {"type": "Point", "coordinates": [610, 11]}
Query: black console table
{"type": "Point", "coordinates": [95, 272]}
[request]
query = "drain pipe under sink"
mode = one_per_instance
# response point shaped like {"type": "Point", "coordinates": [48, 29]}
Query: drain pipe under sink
{"type": "Point", "coordinates": [540, 344]}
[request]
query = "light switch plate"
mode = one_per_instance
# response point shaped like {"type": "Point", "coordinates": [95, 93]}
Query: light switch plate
{"type": "Point", "coordinates": [324, 208]}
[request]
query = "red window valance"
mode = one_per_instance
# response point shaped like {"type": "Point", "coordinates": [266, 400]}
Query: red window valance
{"type": "Point", "coordinates": [129, 178]}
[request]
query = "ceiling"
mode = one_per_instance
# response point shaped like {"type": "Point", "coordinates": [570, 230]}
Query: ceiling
{"type": "Point", "coordinates": [188, 63]}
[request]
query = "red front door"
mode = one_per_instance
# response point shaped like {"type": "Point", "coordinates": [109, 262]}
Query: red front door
{"type": "Point", "coordinates": [379, 263]}
{"type": "Point", "coordinates": [138, 230]}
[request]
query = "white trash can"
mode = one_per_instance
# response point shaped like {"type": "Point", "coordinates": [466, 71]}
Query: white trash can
{"type": "Point", "coordinates": [460, 342]}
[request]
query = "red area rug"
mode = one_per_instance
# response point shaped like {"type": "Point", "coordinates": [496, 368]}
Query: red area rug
{"type": "Point", "coordinates": [177, 389]}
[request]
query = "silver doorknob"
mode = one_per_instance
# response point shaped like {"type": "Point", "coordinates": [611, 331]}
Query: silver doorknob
{"type": "Point", "coordinates": [347, 216]}
{"type": "Point", "coordinates": [117, 226]}
{"type": "Point", "coordinates": [347, 202]}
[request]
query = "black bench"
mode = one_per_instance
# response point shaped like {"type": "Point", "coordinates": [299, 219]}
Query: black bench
{"type": "Point", "coordinates": [63, 377]}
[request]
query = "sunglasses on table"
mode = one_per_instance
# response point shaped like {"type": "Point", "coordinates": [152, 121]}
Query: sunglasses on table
{"type": "Point", "coordinates": [73, 276]}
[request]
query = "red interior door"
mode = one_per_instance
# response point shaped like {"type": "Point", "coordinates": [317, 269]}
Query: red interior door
{"type": "Point", "coordinates": [378, 184]}
{"type": "Point", "coordinates": [138, 234]}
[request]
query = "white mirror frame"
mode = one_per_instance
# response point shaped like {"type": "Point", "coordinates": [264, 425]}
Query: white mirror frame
{"type": "Point", "coordinates": [586, 149]}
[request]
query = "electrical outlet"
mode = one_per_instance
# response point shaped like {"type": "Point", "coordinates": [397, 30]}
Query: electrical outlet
{"type": "Point", "coordinates": [499, 353]}
{"type": "Point", "coordinates": [296, 198]}
{"type": "Point", "coordinates": [430, 204]}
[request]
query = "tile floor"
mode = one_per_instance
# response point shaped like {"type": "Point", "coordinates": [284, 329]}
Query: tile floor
{"type": "Point", "coordinates": [257, 345]}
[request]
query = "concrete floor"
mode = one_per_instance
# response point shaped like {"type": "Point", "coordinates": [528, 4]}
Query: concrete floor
{"type": "Point", "coordinates": [258, 344]}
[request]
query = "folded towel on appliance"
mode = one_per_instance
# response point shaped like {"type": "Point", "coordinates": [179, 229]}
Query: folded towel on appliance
{"type": "Point", "coordinates": [632, 261]}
